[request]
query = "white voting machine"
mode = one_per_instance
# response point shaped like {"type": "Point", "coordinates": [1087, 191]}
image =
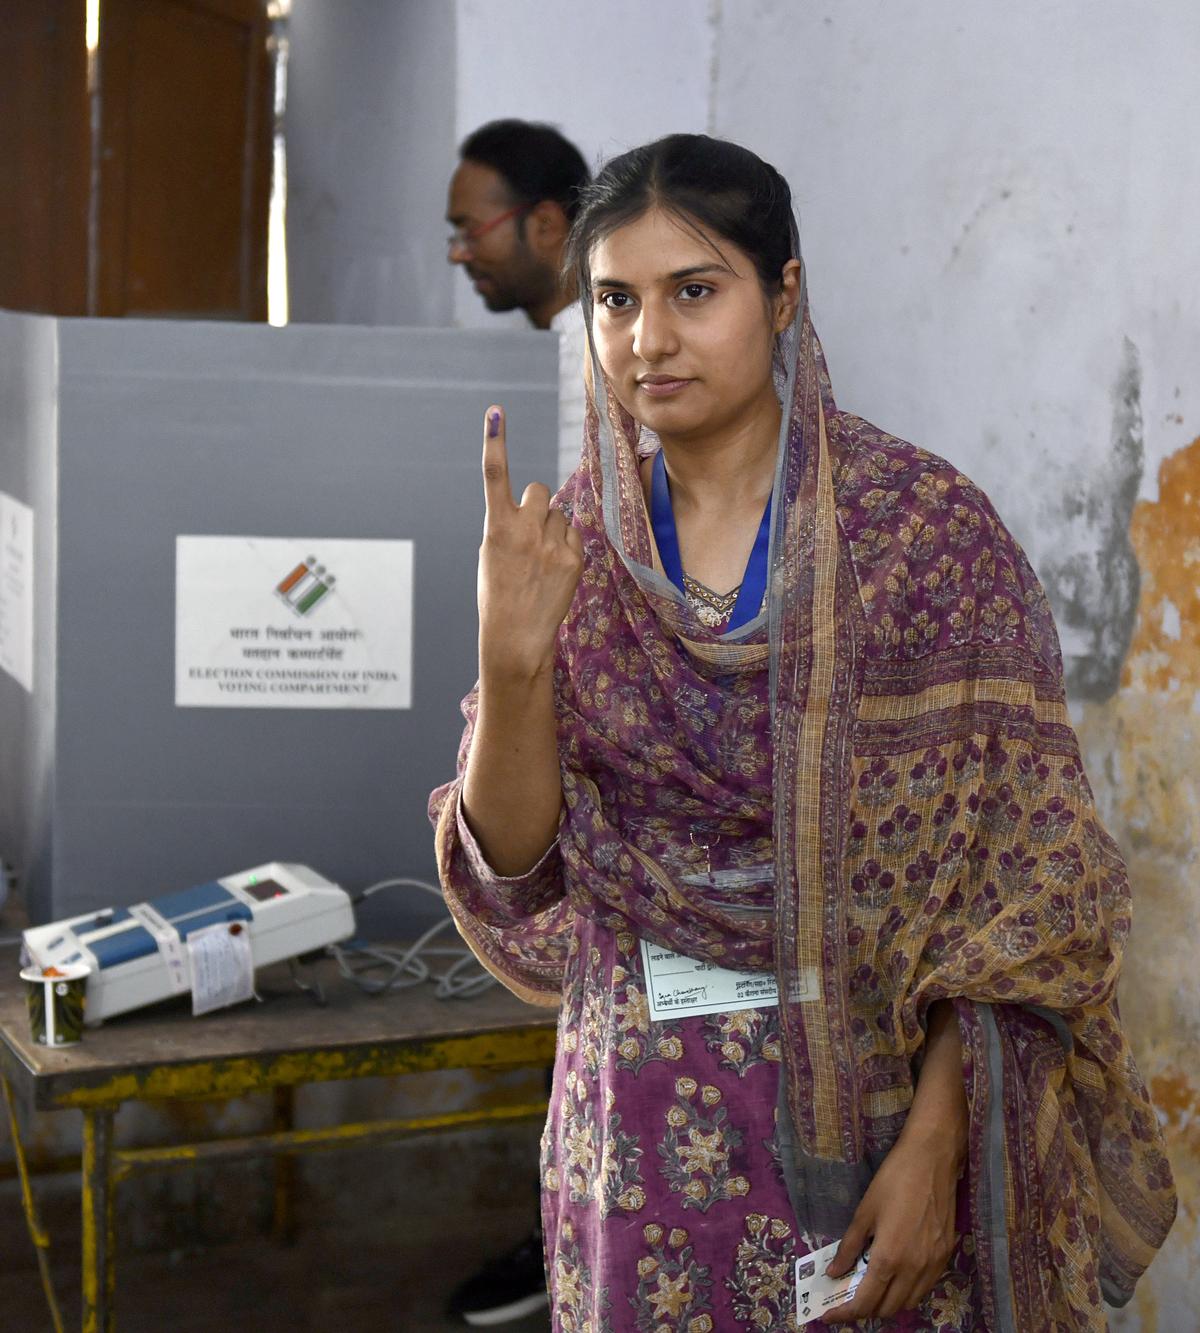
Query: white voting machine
{"type": "Point", "coordinates": [139, 954]}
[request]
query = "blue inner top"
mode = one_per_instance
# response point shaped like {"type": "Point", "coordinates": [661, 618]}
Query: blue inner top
{"type": "Point", "coordinates": [662, 520]}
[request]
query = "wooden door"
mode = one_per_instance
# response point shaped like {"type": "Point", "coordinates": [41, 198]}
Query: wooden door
{"type": "Point", "coordinates": [176, 174]}
{"type": "Point", "coordinates": [43, 156]}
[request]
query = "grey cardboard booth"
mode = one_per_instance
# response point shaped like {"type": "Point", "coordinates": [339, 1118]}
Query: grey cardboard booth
{"type": "Point", "coordinates": [121, 435]}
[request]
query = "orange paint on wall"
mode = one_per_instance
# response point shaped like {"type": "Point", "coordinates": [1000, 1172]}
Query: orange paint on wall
{"type": "Point", "coordinates": [1179, 1102]}
{"type": "Point", "coordinates": [1140, 748]}
{"type": "Point", "coordinates": [1165, 653]}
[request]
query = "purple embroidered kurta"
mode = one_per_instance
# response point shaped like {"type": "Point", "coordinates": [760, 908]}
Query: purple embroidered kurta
{"type": "Point", "coordinates": [663, 1198]}
{"type": "Point", "coordinates": [890, 741]}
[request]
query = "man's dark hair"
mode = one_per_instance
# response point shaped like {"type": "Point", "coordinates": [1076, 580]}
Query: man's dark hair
{"type": "Point", "coordinates": [535, 161]}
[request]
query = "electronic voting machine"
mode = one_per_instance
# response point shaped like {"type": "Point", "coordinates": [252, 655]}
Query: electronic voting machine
{"type": "Point", "coordinates": [139, 955]}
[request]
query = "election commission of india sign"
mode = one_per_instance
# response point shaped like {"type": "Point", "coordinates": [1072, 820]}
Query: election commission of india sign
{"type": "Point", "coordinates": [282, 622]}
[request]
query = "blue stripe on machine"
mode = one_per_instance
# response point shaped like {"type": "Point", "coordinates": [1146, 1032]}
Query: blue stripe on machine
{"type": "Point", "coordinates": [102, 921]}
{"type": "Point", "coordinates": [123, 947]}
{"type": "Point", "coordinates": [174, 905]}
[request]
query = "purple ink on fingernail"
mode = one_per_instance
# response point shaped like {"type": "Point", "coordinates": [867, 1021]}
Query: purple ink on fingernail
{"type": "Point", "coordinates": [493, 425]}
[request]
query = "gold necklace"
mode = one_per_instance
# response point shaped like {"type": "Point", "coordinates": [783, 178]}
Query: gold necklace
{"type": "Point", "coordinates": [713, 608]}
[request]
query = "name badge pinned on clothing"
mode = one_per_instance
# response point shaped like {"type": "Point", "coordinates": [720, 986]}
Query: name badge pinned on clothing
{"type": "Point", "coordinates": [676, 984]}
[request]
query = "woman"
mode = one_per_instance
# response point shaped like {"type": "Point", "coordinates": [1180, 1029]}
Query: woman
{"type": "Point", "coordinates": [770, 698]}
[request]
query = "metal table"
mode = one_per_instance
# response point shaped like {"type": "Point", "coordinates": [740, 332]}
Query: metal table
{"type": "Point", "coordinates": [164, 1054]}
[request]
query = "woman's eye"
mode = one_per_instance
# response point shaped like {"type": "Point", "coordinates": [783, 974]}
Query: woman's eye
{"type": "Point", "coordinates": [694, 291]}
{"type": "Point", "coordinates": [615, 300]}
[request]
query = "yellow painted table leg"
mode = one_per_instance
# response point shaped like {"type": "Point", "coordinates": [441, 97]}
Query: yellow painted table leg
{"type": "Point", "coordinates": [283, 1120]}
{"type": "Point", "coordinates": [99, 1231]}
{"type": "Point", "coordinates": [37, 1232]}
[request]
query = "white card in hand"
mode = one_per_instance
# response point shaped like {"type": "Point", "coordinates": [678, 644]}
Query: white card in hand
{"type": "Point", "coordinates": [817, 1294]}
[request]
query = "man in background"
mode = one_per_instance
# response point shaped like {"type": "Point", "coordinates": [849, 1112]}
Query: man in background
{"type": "Point", "coordinates": [511, 203]}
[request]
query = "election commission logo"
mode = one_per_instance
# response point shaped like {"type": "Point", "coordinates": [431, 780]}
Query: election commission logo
{"type": "Point", "coordinates": [307, 585]}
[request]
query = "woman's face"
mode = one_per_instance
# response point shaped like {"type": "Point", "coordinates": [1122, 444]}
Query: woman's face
{"type": "Point", "coordinates": [682, 327]}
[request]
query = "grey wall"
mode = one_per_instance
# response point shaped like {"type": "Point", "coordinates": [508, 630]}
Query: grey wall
{"type": "Point", "coordinates": [370, 136]}
{"type": "Point", "coordinates": [994, 204]}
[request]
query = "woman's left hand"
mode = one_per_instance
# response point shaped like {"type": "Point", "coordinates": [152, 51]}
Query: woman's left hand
{"type": "Point", "coordinates": [907, 1219]}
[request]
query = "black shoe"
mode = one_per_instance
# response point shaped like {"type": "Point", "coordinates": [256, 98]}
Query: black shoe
{"type": "Point", "coordinates": [505, 1289]}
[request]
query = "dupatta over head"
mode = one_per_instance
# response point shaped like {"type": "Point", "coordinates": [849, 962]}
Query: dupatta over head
{"type": "Point", "coordinates": [933, 833]}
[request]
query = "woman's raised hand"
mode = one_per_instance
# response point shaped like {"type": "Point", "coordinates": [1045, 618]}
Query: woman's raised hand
{"type": "Point", "coordinates": [529, 566]}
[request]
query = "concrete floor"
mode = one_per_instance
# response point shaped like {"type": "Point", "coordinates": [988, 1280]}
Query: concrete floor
{"type": "Point", "coordinates": [392, 1269]}
{"type": "Point", "coordinates": [318, 1285]}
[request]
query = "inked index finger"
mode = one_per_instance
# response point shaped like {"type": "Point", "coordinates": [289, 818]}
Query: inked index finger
{"type": "Point", "coordinates": [497, 489]}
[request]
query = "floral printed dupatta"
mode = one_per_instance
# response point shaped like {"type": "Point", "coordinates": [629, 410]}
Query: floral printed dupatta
{"type": "Point", "coordinates": [932, 832]}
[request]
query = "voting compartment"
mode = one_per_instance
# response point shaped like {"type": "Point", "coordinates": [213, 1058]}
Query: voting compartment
{"type": "Point", "coordinates": [237, 593]}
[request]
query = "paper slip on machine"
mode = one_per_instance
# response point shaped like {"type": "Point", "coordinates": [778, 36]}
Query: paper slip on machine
{"type": "Point", "coordinates": [139, 954]}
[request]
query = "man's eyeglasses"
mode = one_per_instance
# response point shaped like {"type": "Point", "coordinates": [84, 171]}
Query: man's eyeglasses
{"type": "Point", "coordinates": [464, 238]}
